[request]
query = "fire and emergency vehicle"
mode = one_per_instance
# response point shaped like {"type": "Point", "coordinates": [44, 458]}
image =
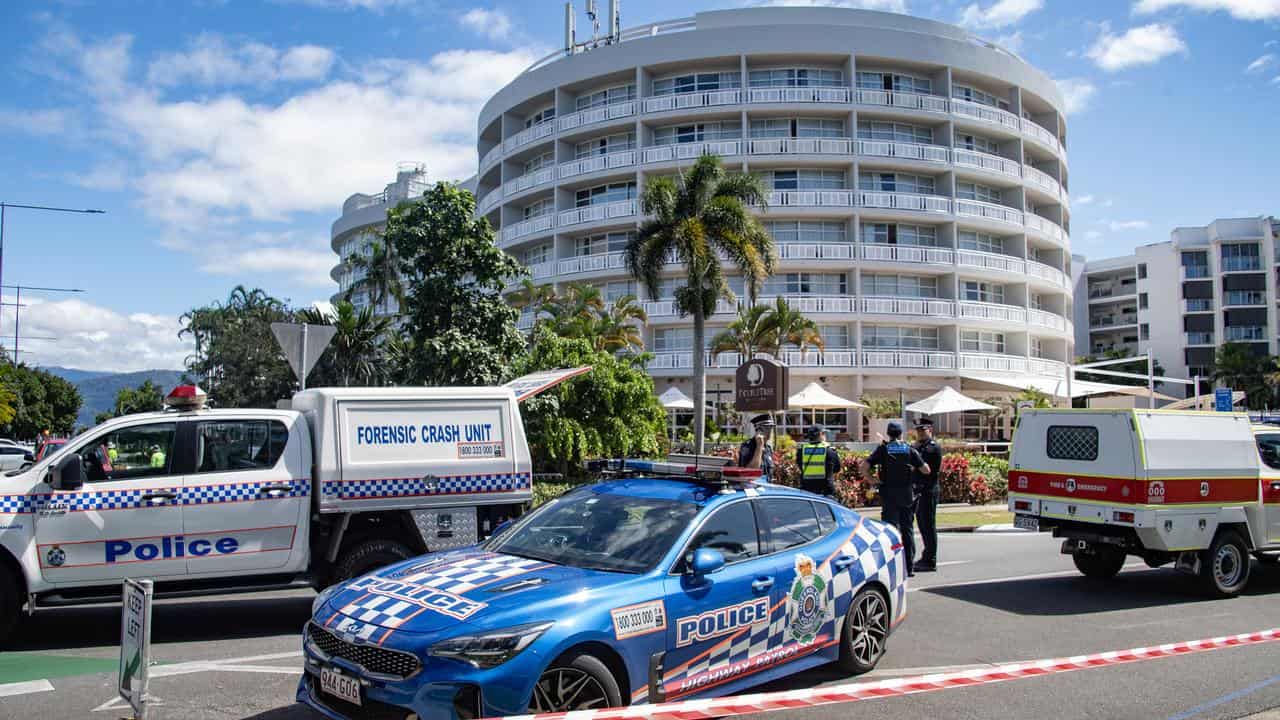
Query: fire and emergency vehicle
{"type": "Point", "coordinates": [1197, 489]}
{"type": "Point", "coordinates": [333, 484]}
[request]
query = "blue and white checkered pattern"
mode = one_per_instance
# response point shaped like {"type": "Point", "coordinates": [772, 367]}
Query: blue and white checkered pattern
{"type": "Point", "coordinates": [86, 500]}
{"type": "Point", "coordinates": [379, 610]}
{"type": "Point", "coordinates": [460, 576]}
{"type": "Point", "coordinates": [411, 487]}
{"type": "Point", "coordinates": [353, 627]}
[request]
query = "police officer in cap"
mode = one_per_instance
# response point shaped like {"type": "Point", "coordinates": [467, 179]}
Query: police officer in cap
{"type": "Point", "coordinates": [927, 493]}
{"type": "Point", "coordinates": [758, 451]}
{"type": "Point", "coordinates": [818, 463]}
{"type": "Point", "coordinates": [898, 463]}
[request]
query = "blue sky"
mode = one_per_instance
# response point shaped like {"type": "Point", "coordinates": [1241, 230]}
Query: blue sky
{"type": "Point", "coordinates": [221, 136]}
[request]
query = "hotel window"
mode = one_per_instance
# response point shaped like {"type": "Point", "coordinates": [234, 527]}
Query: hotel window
{"type": "Point", "coordinates": [899, 338]}
{"type": "Point", "coordinates": [977, 143]}
{"type": "Point", "coordinates": [834, 337]}
{"type": "Point", "coordinates": [538, 254]}
{"type": "Point", "coordinates": [618, 289]}
{"type": "Point", "coordinates": [894, 81]}
{"type": "Point", "coordinates": [537, 162]}
{"type": "Point", "coordinates": [804, 179]}
{"type": "Point", "coordinates": [600, 194]}
{"type": "Point", "coordinates": [609, 96]}
{"type": "Point", "coordinates": [981, 341]}
{"type": "Point", "coordinates": [1142, 301]}
{"type": "Point", "coordinates": [912, 286]}
{"type": "Point", "coordinates": [1144, 331]}
{"type": "Point", "coordinates": [673, 339]}
{"type": "Point", "coordinates": [1037, 347]}
{"type": "Point", "coordinates": [895, 132]}
{"type": "Point", "coordinates": [797, 127]}
{"type": "Point", "coordinates": [542, 116]}
{"type": "Point", "coordinates": [1142, 271]}
{"type": "Point", "coordinates": [964, 92]}
{"type": "Point", "coordinates": [1035, 301]}
{"type": "Point", "coordinates": [806, 231]}
{"type": "Point", "coordinates": [697, 82]}
{"type": "Point", "coordinates": [605, 145]}
{"type": "Point", "coordinates": [796, 77]}
{"type": "Point", "coordinates": [891, 234]}
{"type": "Point", "coordinates": [982, 242]}
{"type": "Point", "coordinates": [807, 284]}
{"type": "Point", "coordinates": [545, 206]}
{"type": "Point", "coordinates": [896, 182]}
{"type": "Point", "coordinates": [978, 291]}
{"type": "Point", "coordinates": [614, 242]}
{"type": "Point", "coordinates": [975, 191]}
{"type": "Point", "coordinates": [697, 132]}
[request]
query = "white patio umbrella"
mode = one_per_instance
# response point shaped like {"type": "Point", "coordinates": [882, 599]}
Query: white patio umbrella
{"type": "Point", "coordinates": [947, 400]}
{"type": "Point", "coordinates": [672, 400]}
{"type": "Point", "coordinates": [815, 397]}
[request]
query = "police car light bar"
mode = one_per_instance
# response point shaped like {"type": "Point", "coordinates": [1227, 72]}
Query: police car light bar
{"type": "Point", "coordinates": [186, 397]}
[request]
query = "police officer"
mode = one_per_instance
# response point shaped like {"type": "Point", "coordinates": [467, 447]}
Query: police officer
{"type": "Point", "coordinates": [898, 463]}
{"type": "Point", "coordinates": [758, 451]}
{"type": "Point", "coordinates": [818, 463]}
{"type": "Point", "coordinates": [927, 493]}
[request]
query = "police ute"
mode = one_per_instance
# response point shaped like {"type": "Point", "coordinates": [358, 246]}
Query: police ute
{"type": "Point", "coordinates": [1200, 490]}
{"type": "Point", "coordinates": [333, 484]}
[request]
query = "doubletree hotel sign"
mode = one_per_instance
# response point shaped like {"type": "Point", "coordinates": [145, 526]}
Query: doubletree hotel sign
{"type": "Point", "coordinates": [761, 384]}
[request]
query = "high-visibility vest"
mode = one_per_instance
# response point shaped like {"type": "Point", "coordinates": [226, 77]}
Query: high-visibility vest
{"type": "Point", "coordinates": [157, 459]}
{"type": "Point", "coordinates": [813, 461]}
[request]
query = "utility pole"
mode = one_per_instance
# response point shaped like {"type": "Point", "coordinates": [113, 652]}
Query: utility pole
{"type": "Point", "coordinates": [17, 307]}
{"type": "Point", "coordinates": [4, 206]}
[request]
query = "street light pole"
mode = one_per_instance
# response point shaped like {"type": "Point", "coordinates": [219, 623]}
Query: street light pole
{"type": "Point", "coordinates": [17, 306]}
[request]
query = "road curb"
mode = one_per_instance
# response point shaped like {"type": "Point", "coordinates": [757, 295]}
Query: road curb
{"type": "Point", "coordinates": [986, 529]}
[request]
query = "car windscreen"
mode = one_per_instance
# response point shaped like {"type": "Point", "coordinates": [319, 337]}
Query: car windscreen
{"type": "Point", "coordinates": [598, 531]}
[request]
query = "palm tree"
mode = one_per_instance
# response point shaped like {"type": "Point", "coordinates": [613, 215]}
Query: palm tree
{"type": "Point", "coordinates": [1238, 368]}
{"type": "Point", "coordinates": [382, 273]}
{"type": "Point", "coordinates": [576, 312]}
{"type": "Point", "coordinates": [531, 295]}
{"type": "Point", "coordinates": [795, 329]}
{"type": "Point", "coordinates": [753, 331]}
{"type": "Point", "coordinates": [696, 216]}
{"type": "Point", "coordinates": [357, 345]}
{"type": "Point", "coordinates": [618, 328]}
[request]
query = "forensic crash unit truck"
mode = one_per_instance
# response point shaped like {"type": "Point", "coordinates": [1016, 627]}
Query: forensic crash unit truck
{"type": "Point", "coordinates": [334, 484]}
{"type": "Point", "coordinates": [1200, 490]}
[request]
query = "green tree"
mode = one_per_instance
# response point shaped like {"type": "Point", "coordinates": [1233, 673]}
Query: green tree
{"type": "Point", "coordinates": [1237, 367]}
{"type": "Point", "coordinates": [576, 312]}
{"type": "Point", "coordinates": [611, 411]}
{"type": "Point", "coordinates": [236, 357]}
{"type": "Point", "coordinates": [40, 401]}
{"type": "Point", "coordinates": [794, 329]}
{"type": "Point", "coordinates": [752, 331]}
{"type": "Point", "coordinates": [355, 354]}
{"type": "Point", "coordinates": [531, 295]}
{"type": "Point", "coordinates": [463, 331]}
{"type": "Point", "coordinates": [696, 216]}
{"type": "Point", "coordinates": [618, 327]}
{"type": "Point", "coordinates": [382, 274]}
{"type": "Point", "coordinates": [147, 397]}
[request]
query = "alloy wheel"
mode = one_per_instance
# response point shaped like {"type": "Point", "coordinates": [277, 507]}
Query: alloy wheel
{"type": "Point", "coordinates": [565, 689]}
{"type": "Point", "coordinates": [870, 628]}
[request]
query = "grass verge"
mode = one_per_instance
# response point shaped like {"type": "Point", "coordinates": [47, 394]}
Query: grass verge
{"type": "Point", "coordinates": [971, 519]}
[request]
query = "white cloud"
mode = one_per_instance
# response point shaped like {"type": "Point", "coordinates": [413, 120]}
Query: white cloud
{"type": "Point", "coordinates": [305, 261]}
{"type": "Point", "coordinates": [107, 176]}
{"type": "Point", "coordinates": [374, 5]}
{"type": "Point", "coordinates": [35, 122]}
{"type": "Point", "coordinates": [1001, 13]}
{"type": "Point", "coordinates": [1262, 63]}
{"type": "Point", "coordinates": [1121, 225]}
{"type": "Point", "coordinates": [1092, 235]}
{"type": "Point", "coordinates": [1083, 200]}
{"type": "Point", "coordinates": [93, 337]}
{"type": "Point", "coordinates": [1143, 45]}
{"type": "Point", "coordinates": [897, 6]}
{"type": "Point", "coordinates": [1077, 93]}
{"type": "Point", "coordinates": [1011, 42]}
{"type": "Point", "coordinates": [1275, 80]}
{"type": "Point", "coordinates": [493, 24]}
{"type": "Point", "coordinates": [212, 61]}
{"type": "Point", "coordinates": [1239, 9]}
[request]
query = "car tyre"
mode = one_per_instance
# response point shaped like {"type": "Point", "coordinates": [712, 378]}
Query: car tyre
{"type": "Point", "coordinates": [1103, 563]}
{"type": "Point", "coordinates": [1224, 567]}
{"type": "Point", "coordinates": [577, 681]}
{"type": "Point", "coordinates": [367, 556]}
{"type": "Point", "coordinates": [866, 632]}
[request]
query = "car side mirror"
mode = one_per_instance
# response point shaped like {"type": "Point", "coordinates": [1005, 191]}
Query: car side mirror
{"type": "Point", "coordinates": [68, 474]}
{"type": "Point", "coordinates": [706, 561]}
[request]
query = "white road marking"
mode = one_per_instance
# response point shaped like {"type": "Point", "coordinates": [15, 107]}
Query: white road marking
{"type": "Point", "coordinates": [233, 665]}
{"type": "Point", "coordinates": [954, 562]}
{"type": "Point", "coordinates": [25, 688]}
{"type": "Point", "coordinates": [1012, 578]}
{"type": "Point", "coordinates": [118, 703]}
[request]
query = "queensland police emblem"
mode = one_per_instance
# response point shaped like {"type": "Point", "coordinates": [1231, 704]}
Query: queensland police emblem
{"type": "Point", "coordinates": [808, 602]}
{"type": "Point", "coordinates": [56, 556]}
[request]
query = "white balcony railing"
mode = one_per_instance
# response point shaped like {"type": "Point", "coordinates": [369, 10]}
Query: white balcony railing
{"type": "Point", "coordinates": [667, 308]}
{"type": "Point", "coordinates": [992, 361]}
{"type": "Point", "coordinates": [985, 113]}
{"type": "Point", "coordinates": [989, 211]}
{"type": "Point", "coordinates": [991, 311]}
{"type": "Point", "coordinates": [908, 151]}
{"type": "Point", "coordinates": [596, 163]}
{"type": "Point", "coordinates": [1042, 180]}
{"type": "Point", "coordinates": [528, 227]}
{"type": "Point", "coordinates": [491, 157]}
{"type": "Point", "coordinates": [799, 146]}
{"type": "Point", "coordinates": [1045, 366]}
{"type": "Point", "coordinates": [528, 135]}
{"type": "Point", "coordinates": [827, 357]}
{"type": "Point", "coordinates": [799, 95]}
{"type": "Point", "coordinates": [1049, 273]}
{"type": "Point", "coordinates": [598, 114]}
{"type": "Point", "coordinates": [489, 201]}
{"type": "Point", "coordinates": [991, 261]}
{"type": "Point", "coordinates": [911, 101]}
{"type": "Point", "coordinates": [810, 198]}
{"type": "Point", "coordinates": [1045, 226]}
{"type": "Point", "coordinates": [543, 270]}
{"type": "Point", "coordinates": [590, 263]}
{"type": "Point", "coordinates": [816, 303]}
{"type": "Point", "coordinates": [528, 180]}
{"type": "Point", "coordinates": [904, 201]}
{"type": "Point", "coordinates": [908, 253]}
{"type": "Point", "coordinates": [815, 251]}
{"type": "Point", "coordinates": [1046, 319]}
{"type": "Point", "coordinates": [930, 307]}
{"type": "Point", "coordinates": [986, 161]}
{"type": "Point", "coordinates": [921, 359]}
{"type": "Point", "coordinates": [688, 151]}
{"type": "Point", "coordinates": [1040, 133]}
{"type": "Point", "coordinates": [681, 101]}
{"type": "Point", "coordinates": [595, 213]}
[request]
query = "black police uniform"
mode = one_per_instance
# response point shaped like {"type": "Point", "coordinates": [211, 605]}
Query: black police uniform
{"type": "Point", "coordinates": [928, 491]}
{"type": "Point", "coordinates": [898, 462]}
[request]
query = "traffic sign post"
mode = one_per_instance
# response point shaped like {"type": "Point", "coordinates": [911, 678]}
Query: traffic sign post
{"type": "Point", "coordinates": [135, 645]}
{"type": "Point", "coordinates": [302, 345]}
{"type": "Point", "coordinates": [1222, 399]}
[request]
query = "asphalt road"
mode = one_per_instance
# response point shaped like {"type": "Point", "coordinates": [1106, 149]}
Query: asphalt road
{"type": "Point", "coordinates": [996, 599]}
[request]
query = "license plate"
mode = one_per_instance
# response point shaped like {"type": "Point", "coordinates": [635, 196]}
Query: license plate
{"type": "Point", "coordinates": [1026, 522]}
{"type": "Point", "coordinates": [343, 687]}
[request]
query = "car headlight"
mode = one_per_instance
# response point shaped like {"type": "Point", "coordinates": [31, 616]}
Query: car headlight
{"type": "Point", "coordinates": [490, 649]}
{"type": "Point", "coordinates": [323, 598]}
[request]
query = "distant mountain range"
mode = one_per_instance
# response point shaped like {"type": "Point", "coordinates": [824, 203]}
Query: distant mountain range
{"type": "Point", "coordinates": [98, 389]}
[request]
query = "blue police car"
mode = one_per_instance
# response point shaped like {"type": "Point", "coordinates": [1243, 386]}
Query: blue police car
{"type": "Point", "coordinates": [633, 590]}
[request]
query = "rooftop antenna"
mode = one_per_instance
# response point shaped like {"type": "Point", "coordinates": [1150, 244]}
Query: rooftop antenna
{"type": "Point", "coordinates": [570, 29]}
{"type": "Point", "coordinates": [594, 14]}
{"type": "Point", "coordinates": [615, 21]}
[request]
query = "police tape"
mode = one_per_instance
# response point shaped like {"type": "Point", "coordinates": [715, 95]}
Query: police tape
{"type": "Point", "coordinates": [855, 692]}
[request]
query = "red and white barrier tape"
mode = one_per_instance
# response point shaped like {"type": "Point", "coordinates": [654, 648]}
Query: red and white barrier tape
{"type": "Point", "coordinates": [854, 692]}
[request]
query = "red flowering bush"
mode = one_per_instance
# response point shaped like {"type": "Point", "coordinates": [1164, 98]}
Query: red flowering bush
{"type": "Point", "coordinates": [954, 478]}
{"type": "Point", "coordinates": [979, 492]}
{"type": "Point", "coordinates": [851, 490]}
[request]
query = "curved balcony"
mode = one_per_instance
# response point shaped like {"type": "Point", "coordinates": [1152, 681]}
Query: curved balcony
{"type": "Point", "coordinates": [986, 113]}
{"type": "Point", "coordinates": [1048, 273]}
{"type": "Point", "coordinates": [690, 151]}
{"type": "Point", "coordinates": [1045, 227]}
{"type": "Point", "coordinates": [543, 270]}
{"type": "Point", "coordinates": [596, 163]}
{"type": "Point", "coordinates": [590, 263]}
{"type": "Point", "coordinates": [969, 309]}
{"type": "Point", "coordinates": [904, 201]}
{"type": "Point", "coordinates": [1043, 135]}
{"type": "Point", "coordinates": [905, 151]}
{"type": "Point", "coordinates": [491, 157]}
{"type": "Point", "coordinates": [807, 304]}
{"type": "Point", "coordinates": [1046, 320]}
{"type": "Point", "coordinates": [799, 146]}
{"type": "Point", "coordinates": [987, 161]}
{"type": "Point", "coordinates": [528, 180]}
{"type": "Point", "coordinates": [591, 116]}
{"type": "Point", "coordinates": [916, 359]}
{"type": "Point", "coordinates": [683, 360]}
{"type": "Point", "coordinates": [926, 307]}
{"type": "Point", "coordinates": [596, 213]}
{"type": "Point", "coordinates": [524, 228]}
{"type": "Point", "coordinates": [667, 308]}
{"type": "Point", "coordinates": [905, 100]}
{"type": "Point", "coordinates": [1043, 180]}
{"type": "Point", "coordinates": [528, 135]}
{"type": "Point", "coordinates": [1044, 366]}
{"type": "Point", "coordinates": [991, 261]}
{"type": "Point", "coordinates": [799, 95]}
{"type": "Point", "coordinates": [489, 201]}
{"type": "Point", "coordinates": [810, 198]}
{"type": "Point", "coordinates": [682, 101]}
{"type": "Point", "coordinates": [908, 253]}
{"type": "Point", "coordinates": [989, 211]}
{"type": "Point", "coordinates": [815, 251]}
{"type": "Point", "coordinates": [991, 361]}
